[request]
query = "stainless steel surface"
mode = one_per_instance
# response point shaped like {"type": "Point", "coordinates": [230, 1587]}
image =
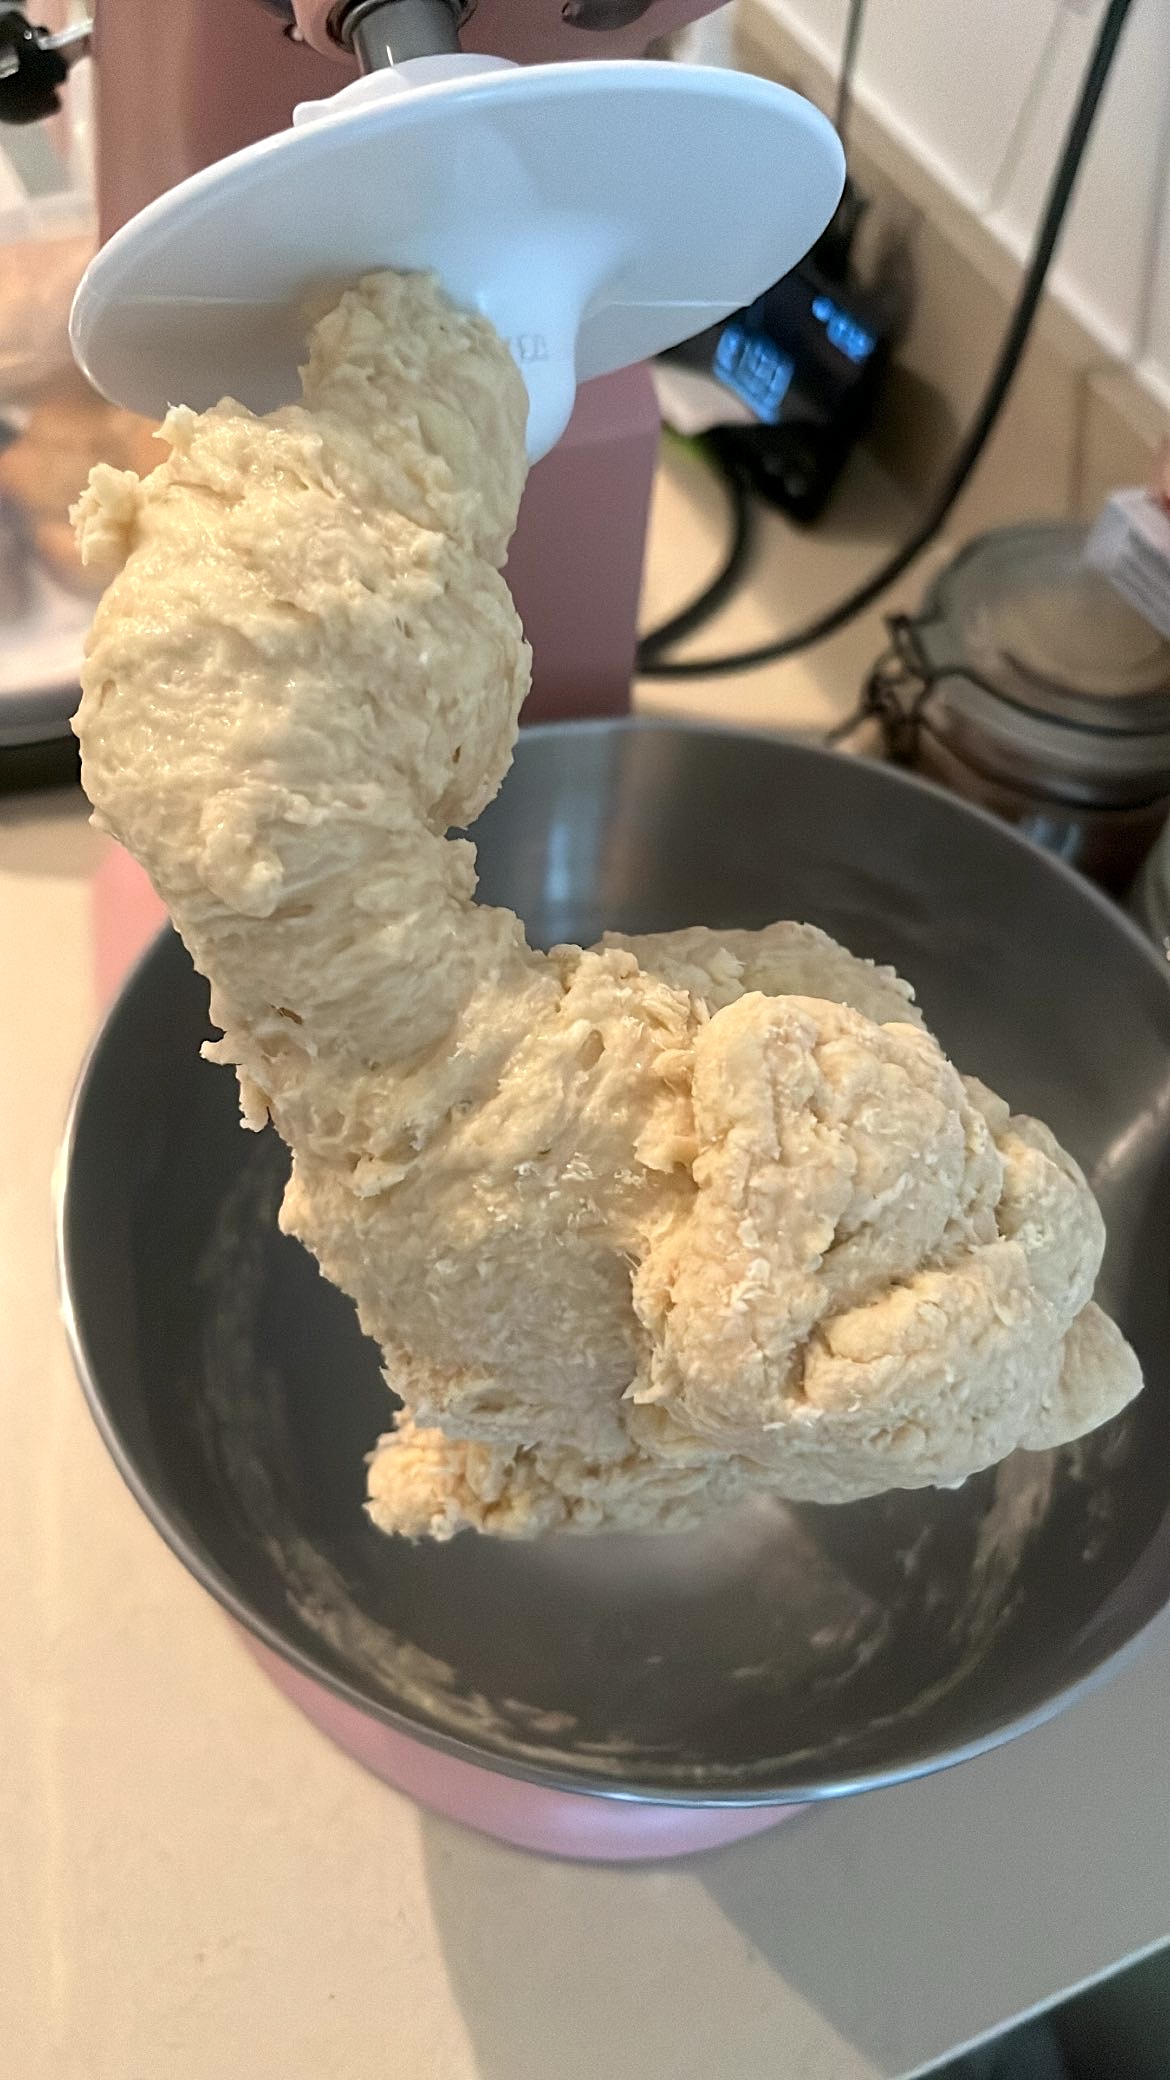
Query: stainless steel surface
{"type": "Point", "coordinates": [40, 717]}
{"type": "Point", "coordinates": [1150, 901]}
{"type": "Point", "coordinates": [388, 32]}
{"type": "Point", "coordinates": [784, 1653]}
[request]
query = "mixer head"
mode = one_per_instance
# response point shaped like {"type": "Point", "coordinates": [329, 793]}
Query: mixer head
{"type": "Point", "coordinates": [597, 212]}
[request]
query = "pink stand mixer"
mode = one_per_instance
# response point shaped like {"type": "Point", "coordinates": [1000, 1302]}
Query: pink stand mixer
{"type": "Point", "coordinates": [255, 156]}
{"type": "Point", "coordinates": [592, 206]}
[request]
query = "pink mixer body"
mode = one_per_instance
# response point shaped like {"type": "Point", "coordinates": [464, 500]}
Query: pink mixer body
{"type": "Point", "coordinates": [227, 74]}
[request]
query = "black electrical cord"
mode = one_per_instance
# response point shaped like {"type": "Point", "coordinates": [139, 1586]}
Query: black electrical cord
{"type": "Point", "coordinates": [835, 245]}
{"type": "Point", "coordinates": [846, 70]}
{"type": "Point", "coordinates": [744, 529]}
{"type": "Point", "coordinates": [1007, 362]}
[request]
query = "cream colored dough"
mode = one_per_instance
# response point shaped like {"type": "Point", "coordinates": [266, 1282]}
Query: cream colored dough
{"type": "Point", "coordinates": [640, 1230]}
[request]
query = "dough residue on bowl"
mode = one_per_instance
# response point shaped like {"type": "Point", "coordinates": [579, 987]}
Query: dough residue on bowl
{"type": "Point", "coordinates": [642, 1229]}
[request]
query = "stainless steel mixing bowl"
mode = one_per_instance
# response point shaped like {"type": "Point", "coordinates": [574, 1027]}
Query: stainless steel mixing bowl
{"type": "Point", "coordinates": [786, 1653]}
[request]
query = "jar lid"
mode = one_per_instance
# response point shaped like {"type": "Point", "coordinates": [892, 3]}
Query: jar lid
{"type": "Point", "coordinates": [1023, 614]}
{"type": "Point", "coordinates": [1039, 671]}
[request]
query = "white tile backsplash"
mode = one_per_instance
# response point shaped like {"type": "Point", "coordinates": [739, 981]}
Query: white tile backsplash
{"type": "Point", "coordinates": [1090, 408]}
{"type": "Point", "coordinates": [949, 77]}
{"type": "Point", "coordinates": [981, 92]}
{"type": "Point", "coordinates": [1110, 253]}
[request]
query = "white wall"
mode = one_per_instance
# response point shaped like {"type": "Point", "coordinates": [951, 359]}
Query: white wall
{"type": "Point", "coordinates": [981, 91]}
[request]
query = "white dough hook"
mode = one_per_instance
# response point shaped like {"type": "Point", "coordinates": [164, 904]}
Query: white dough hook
{"type": "Point", "coordinates": [597, 212]}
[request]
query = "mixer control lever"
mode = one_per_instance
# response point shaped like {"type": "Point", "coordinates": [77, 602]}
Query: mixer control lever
{"type": "Point", "coordinates": [34, 65]}
{"type": "Point", "coordinates": [603, 16]}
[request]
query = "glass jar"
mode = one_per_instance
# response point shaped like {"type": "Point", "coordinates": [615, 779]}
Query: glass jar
{"type": "Point", "coordinates": [1027, 684]}
{"type": "Point", "coordinates": [1151, 896]}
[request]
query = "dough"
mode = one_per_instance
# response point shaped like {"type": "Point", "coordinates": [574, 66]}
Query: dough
{"type": "Point", "coordinates": [639, 1229]}
{"type": "Point", "coordinates": [70, 428]}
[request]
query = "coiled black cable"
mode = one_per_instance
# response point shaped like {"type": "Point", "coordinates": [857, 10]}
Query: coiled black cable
{"type": "Point", "coordinates": [652, 665]}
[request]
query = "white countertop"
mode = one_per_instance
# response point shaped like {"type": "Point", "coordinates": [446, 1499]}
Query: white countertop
{"type": "Point", "coordinates": [197, 1886]}
{"type": "Point", "coordinates": [795, 574]}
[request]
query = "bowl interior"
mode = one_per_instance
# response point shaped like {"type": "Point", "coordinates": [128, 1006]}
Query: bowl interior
{"type": "Point", "coordinates": [783, 1652]}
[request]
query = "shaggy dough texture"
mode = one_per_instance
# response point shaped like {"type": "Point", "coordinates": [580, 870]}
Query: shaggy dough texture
{"type": "Point", "coordinates": [640, 1229]}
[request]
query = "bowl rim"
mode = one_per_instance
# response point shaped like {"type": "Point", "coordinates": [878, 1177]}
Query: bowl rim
{"type": "Point", "coordinates": [549, 1776]}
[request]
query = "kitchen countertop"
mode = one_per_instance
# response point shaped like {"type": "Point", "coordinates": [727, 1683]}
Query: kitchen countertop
{"type": "Point", "coordinates": [199, 1887]}
{"type": "Point", "coordinates": [795, 574]}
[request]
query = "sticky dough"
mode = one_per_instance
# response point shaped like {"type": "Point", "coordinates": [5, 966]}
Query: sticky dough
{"type": "Point", "coordinates": [642, 1229]}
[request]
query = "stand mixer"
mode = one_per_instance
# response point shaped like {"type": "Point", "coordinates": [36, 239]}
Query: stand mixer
{"type": "Point", "coordinates": [596, 208]}
{"type": "Point", "coordinates": [592, 208]}
{"type": "Point", "coordinates": [649, 1703]}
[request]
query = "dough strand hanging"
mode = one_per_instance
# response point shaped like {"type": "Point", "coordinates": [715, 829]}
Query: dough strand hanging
{"type": "Point", "coordinates": [640, 1230]}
